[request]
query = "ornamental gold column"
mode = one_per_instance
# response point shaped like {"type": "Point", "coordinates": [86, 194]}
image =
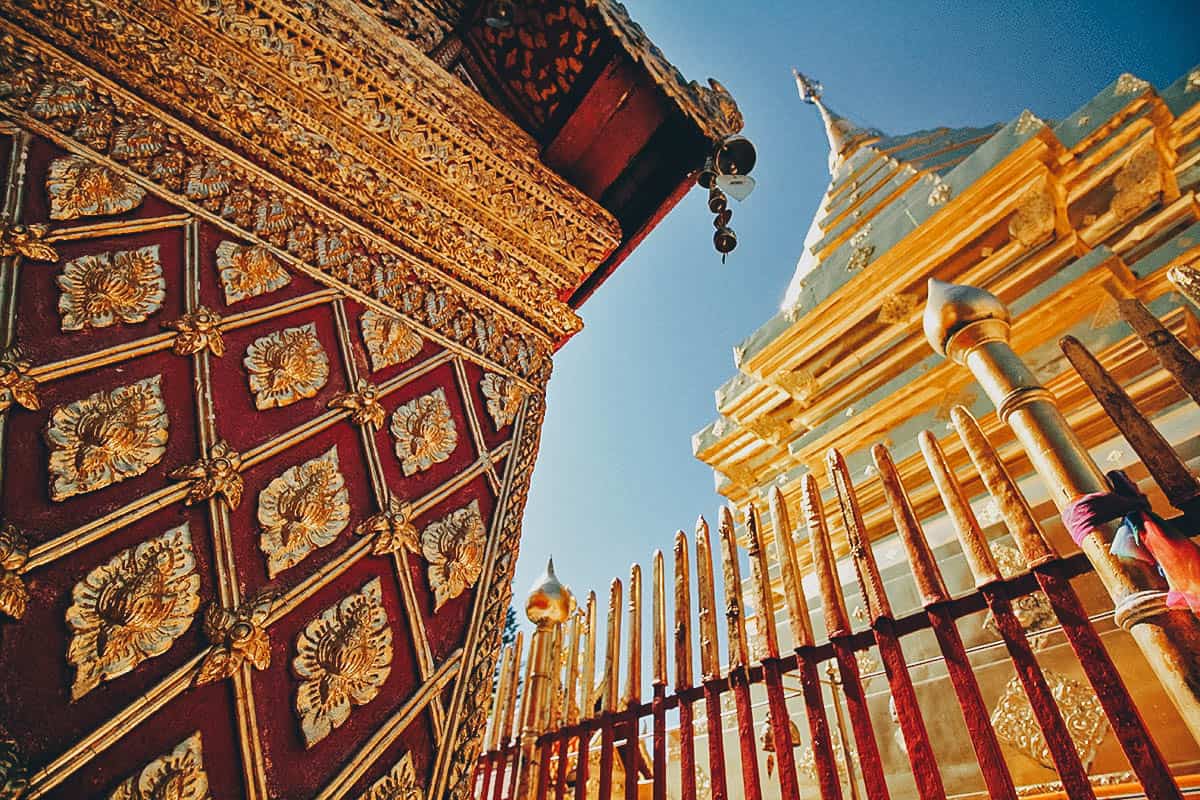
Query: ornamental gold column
{"type": "Point", "coordinates": [549, 604]}
{"type": "Point", "coordinates": [970, 327]}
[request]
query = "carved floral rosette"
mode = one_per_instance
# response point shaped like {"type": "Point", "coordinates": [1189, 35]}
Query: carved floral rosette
{"type": "Point", "coordinates": [248, 271]}
{"type": "Point", "coordinates": [424, 432]}
{"type": "Point", "coordinates": [453, 546]}
{"type": "Point", "coordinates": [82, 188]}
{"type": "Point", "coordinates": [1017, 726]}
{"type": "Point", "coordinates": [286, 366]}
{"type": "Point", "coordinates": [177, 775]}
{"type": "Point", "coordinates": [301, 510]}
{"type": "Point", "coordinates": [102, 289]}
{"type": "Point", "coordinates": [343, 657]}
{"type": "Point", "coordinates": [132, 608]}
{"type": "Point", "coordinates": [400, 783]}
{"type": "Point", "coordinates": [107, 437]}
{"type": "Point", "coordinates": [504, 397]}
{"type": "Point", "coordinates": [390, 340]}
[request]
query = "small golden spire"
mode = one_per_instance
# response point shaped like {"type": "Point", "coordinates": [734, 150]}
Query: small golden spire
{"type": "Point", "coordinates": [843, 134]}
{"type": "Point", "coordinates": [549, 601]}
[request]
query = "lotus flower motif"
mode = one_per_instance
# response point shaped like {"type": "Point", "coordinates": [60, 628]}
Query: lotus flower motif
{"type": "Point", "coordinates": [390, 340]}
{"type": "Point", "coordinates": [400, 783]}
{"type": "Point", "coordinates": [504, 396]}
{"type": "Point", "coordinates": [304, 508]}
{"type": "Point", "coordinates": [453, 546]}
{"type": "Point", "coordinates": [178, 775]}
{"type": "Point", "coordinates": [106, 288]}
{"type": "Point", "coordinates": [248, 271]}
{"type": "Point", "coordinates": [286, 366]}
{"type": "Point", "coordinates": [424, 432]}
{"type": "Point", "coordinates": [81, 188]}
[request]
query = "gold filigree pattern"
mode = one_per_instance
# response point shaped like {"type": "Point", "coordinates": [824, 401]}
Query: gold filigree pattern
{"type": "Point", "coordinates": [106, 288]}
{"type": "Point", "coordinates": [213, 476]}
{"type": "Point", "coordinates": [107, 437]}
{"type": "Point", "coordinates": [248, 271]}
{"type": "Point", "coordinates": [504, 397]}
{"type": "Point", "coordinates": [1017, 726]}
{"type": "Point", "coordinates": [132, 608]}
{"type": "Point", "coordinates": [304, 508]}
{"type": "Point", "coordinates": [363, 404]}
{"type": "Point", "coordinates": [80, 188]}
{"type": "Point", "coordinates": [343, 658]}
{"type": "Point", "coordinates": [392, 528]}
{"type": "Point", "coordinates": [28, 241]}
{"type": "Point", "coordinates": [14, 552]}
{"type": "Point", "coordinates": [862, 250]}
{"type": "Point", "coordinates": [390, 340]}
{"type": "Point", "coordinates": [197, 331]}
{"type": "Point", "coordinates": [286, 366]}
{"type": "Point", "coordinates": [15, 384]}
{"type": "Point", "coordinates": [453, 546]}
{"type": "Point", "coordinates": [238, 636]}
{"type": "Point", "coordinates": [424, 432]}
{"type": "Point", "coordinates": [177, 775]}
{"type": "Point", "coordinates": [400, 783]}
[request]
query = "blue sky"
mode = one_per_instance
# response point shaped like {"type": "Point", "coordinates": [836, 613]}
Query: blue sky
{"type": "Point", "coordinates": [616, 476]}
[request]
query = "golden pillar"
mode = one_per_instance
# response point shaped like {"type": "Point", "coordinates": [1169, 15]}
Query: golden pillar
{"type": "Point", "coordinates": [548, 605]}
{"type": "Point", "coordinates": [970, 326]}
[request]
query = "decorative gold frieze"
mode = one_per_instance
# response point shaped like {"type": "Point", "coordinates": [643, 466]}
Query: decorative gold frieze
{"type": "Point", "coordinates": [81, 188]}
{"type": "Point", "coordinates": [213, 476]}
{"type": "Point", "coordinates": [1017, 726]}
{"type": "Point", "coordinates": [1129, 84]}
{"type": "Point", "coordinates": [424, 432]}
{"type": "Point", "coordinates": [343, 658]}
{"type": "Point", "coordinates": [197, 331]}
{"type": "Point", "coordinates": [400, 783]}
{"type": "Point", "coordinates": [304, 508]}
{"type": "Point", "coordinates": [28, 241]}
{"type": "Point", "coordinates": [1033, 221]}
{"type": "Point", "coordinates": [1137, 184]}
{"type": "Point", "coordinates": [363, 404]}
{"type": "Point", "coordinates": [103, 289]}
{"type": "Point", "coordinates": [107, 437]}
{"type": "Point", "coordinates": [237, 636]}
{"type": "Point", "coordinates": [286, 366]}
{"type": "Point", "coordinates": [504, 397]}
{"type": "Point", "coordinates": [453, 546]}
{"type": "Point", "coordinates": [14, 552]}
{"type": "Point", "coordinates": [15, 384]}
{"type": "Point", "coordinates": [247, 270]}
{"type": "Point", "coordinates": [392, 528]}
{"type": "Point", "coordinates": [177, 775]}
{"type": "Point", "coordinates": [390, 340]}
{"type": "Point", "coordinates": [132, 608]}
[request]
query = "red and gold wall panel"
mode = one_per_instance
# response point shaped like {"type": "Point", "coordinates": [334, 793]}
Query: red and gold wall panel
{"type": "Point", "coordinates": [258, 524]}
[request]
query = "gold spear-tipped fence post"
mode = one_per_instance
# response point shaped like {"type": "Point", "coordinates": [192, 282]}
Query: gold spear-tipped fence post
{"type": "Point", "coordinates": [971, 327]}
{"type": "Point", "coordinates": [549, 604]}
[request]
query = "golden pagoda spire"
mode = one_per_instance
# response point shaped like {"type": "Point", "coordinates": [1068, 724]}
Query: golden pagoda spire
{"type": "Point", "coordinates": [844, 136]}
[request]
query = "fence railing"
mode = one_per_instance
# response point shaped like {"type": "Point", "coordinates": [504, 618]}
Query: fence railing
{"type": "Point", "coordinates": [569, 735]}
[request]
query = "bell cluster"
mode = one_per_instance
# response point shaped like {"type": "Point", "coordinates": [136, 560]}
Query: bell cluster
{"type": "Point", "coordinates": [726, 174]}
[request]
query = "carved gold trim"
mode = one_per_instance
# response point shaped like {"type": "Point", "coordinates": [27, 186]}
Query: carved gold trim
{"type": "Point", "coordinates": [389, 339]}
{"type": "Point", "coordinates": [286, 366]}
{"type": "Point", "coordinates": [303, 509]}
{"type": "Point", "coordinates": [214, 476]}
{"type": "Point", "coordinates": [28, 241]}
{"type": "Point", "coordinates": [103, 289]}
{"type": "Point", "coordinates": [14, 553]}
{"type": "Point", "coordinates": [454, 547]}
{"type": "Point", "coordinates": [423, 431]}
{"type": "Point", "coordinates": [247, 271]}
{"type": "Point", "coordinates": [238, 636]}
{"type": "Point", "coordinates": [399, 783]}
{"type": "Point", "coordinates": [197, 330]}
{"type": "Point", "coordinates": [177, 775]}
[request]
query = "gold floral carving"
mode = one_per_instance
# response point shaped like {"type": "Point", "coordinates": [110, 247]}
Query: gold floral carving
{"type": "Point", "coordinates": [197, 331]}
{"type": "Point", "coordinates": [248, 271]}
{"type": "Point", "coordinates": [1017, 726]}
{"type": "Point", "coordinates": [343, 658]}
{"type": "Point", "coordinates": [424, 432]}
{"type": "Point", "coordinates": [106, 288]}
{"type": "Point", "coordinates": [940, 194]}
{"type": "Point", "coordinates": [177, 775]}
{"type": "Point", "coordinates": [81, 188]}
{"type": "Point", "coordinates": [1129, 84]}
{"type": "Point", "coordinates": [304, 508]}
{"type": "Point", "coordinates": [14, 552]}
{"type": "Point", "coordinates": [286, 366]}
{"type": "Point", "coordinates": [15, 384]}
{"type": "Point", "coordinates": [390, 340]}
{"type": "Point", "coordinates": [1137, 184]}
{"type": "Point", "coordinates": [400, 783]}
{"type": "Point", "coordinates": [363, 404]}
{"type": "Point", "coordinates": [1033, 221]}
{"type": "Point", "coordinates": [28, 241]}
{"type": "Point", "coordinates": [392, 528]}
{"type": "Point", "coordinates": [106, 437]}
{"type": "Point", "coordinates": [504, 397]}
{"type": "Point", "coordinates": [14, 775]}
{"type": "Point", "coordinates": [132, 608]}
{"type": "Point", "coordinates": [453, 546]}
{"type": "Point", "coordinates": [215, 476]}
{"type": "Point", "coordinates": [862, 251]}
{"type": "Point", "coordinates": [238, 636]}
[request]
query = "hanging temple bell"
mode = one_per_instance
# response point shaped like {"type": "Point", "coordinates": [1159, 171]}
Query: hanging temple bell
{"type": "Point", "coordinates": [726, 171]}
